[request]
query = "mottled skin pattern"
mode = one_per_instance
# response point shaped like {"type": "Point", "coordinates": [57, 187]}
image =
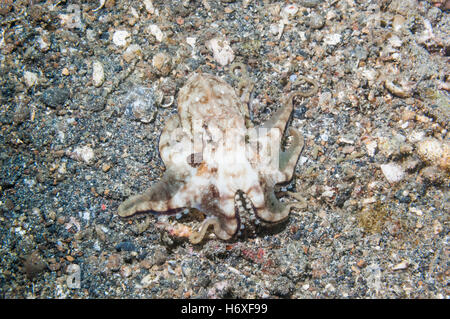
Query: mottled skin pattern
{"type": "Point", "coordinates": [219, 164]}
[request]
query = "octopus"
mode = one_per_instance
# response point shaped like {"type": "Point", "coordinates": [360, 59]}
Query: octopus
{"type": "Point", "coordinates": [219, 163]}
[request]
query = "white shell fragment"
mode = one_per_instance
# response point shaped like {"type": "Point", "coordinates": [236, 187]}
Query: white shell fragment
{"type": "Point", "coordinates": [223, 53]}
{"type": "Point", "coordinates": [332, 39]}
{"type": "Point", "coordinates": [72, 19]}
{"type": "Point", "coordinates": [149, 6]}
{"type": "Point", "coordinates": [102, 3]}
{"type": "Point", "coordinates": [435, 152]}
{"type": "Point", "coordinates": [84, 153]}
{"type": "Point", "coordinates": [30, 78]}
{"type": "Point", "coordinates": [120, 38]}
{"type": "Point", "coordinates": [156, 32]}
{"type": "Point", "coordinates": [393, 172]}
{"type": "Point", "coordinates": [191, 41]}
{"type": "Point", "coordinates": [289, 10]}
{"type": "Point", "coordinates": [401, 266]}
{"type": "Point", "coordinates": [98, 75]}
{"type": "Point", "coordinates": [371, 146]}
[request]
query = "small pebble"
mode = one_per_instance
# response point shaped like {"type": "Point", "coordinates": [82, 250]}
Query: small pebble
{"type": "Point", "coordinates": [84, 153]}
{"type": "Point", "coordinates": [34, 264]}
{"type": "Point", "coordinates": [401, 266]}
{"type": "Point", "coordinates": [113, 262]}
{"type": "Point", "coordinates": [98, 75]}
{"type": "Point", "coordinates": [125, 271]}
{"type": "Point", "coordinates": [161, 61]}
{"type": "Point", "coordinates": [133, 51]}
{"type": "Point", "coordinates": [120, 38]}
{"type": "Point", "coordinates": [310, 3]}
{"type": "Point", "coordinates": [30, 78]}
{"type": "Point", "coordinates": [433, 175]}
{"type": "Point", "coordinates": [316, 21]}
{"type": "Point", "coordinates": [106, 167]}
{"type": "Point", "coordinates": [125, 246]}
{"type": "Point", "coordinates": [398, 22]}
{"type": "Point", "coordinates": [402, 90]}
{"type": "Point", "coordinates": [361, 263]}
{"type": "Point", "coordinates": [393, 172]}
{"type": "Point", "coordinates": [332, 39]}
{"type": "Point", "coordinates": [55, 97]}
{"type": "Point", "coordinates": [156, 32]}
{"type": "Point", "coordinates": [435, 152]}
{"type": "Point", "coordinates": [437, 227]}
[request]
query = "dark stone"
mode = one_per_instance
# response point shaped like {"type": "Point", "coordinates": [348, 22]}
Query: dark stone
{"type": "Point", "coordinates": [55, 97]}
{"type": "Point", "coordinates": [125, 246]}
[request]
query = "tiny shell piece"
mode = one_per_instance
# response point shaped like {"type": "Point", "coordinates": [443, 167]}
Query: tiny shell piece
{"type": "Point", "coordinates": [393, 172]}
{"type": "Point", "coordinates": [30, 78]}
{"type": "Point", "coordinates": [223, 53]}
{"type": "Point", "coordinates": [156, 32]}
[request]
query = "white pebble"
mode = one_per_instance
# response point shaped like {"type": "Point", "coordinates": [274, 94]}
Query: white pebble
{"type": "Point", "coordinates": [416, 136]}
{"type": "Point", "coordinates": [395, 41]}
{"type": "Point", "coordinates": [289, 10]}
{"type": "Point", "coordinates": [120, 38]}
{"type": "Point", "coordinates": [371, 146]}
{"type": "Point", "coordinates": [401, 266]}
{"type": "Point", "coordinates": [73, 18]}
{"type": "Point", "coordinates": [332, 39]}
{"type": "Point", "coordinates": [191, 41]}
{"type": "Point", "coordinates": [98, 75]}
{"type": "Point", "coordinates": [274, 29]}
{"type": "Point", "coordinates": [393, 172]}
{"type": "Point", "coordinates": [131, 52]}
{"type": "Point", "coordinates": [156, 32]}
{"type": "Point", "coordinates": [149, 6]}
{"type": "Point", "coordinates": [30, 78]}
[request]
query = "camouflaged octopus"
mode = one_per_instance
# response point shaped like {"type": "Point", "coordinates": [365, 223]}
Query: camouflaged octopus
{"type": "Point", "coordinates": [219, 163]}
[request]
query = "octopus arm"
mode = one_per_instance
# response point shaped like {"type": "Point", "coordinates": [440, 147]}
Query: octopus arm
{"type": "Point", "coordinates": [273, 210]}
{"type": "Point", "coordinates": [280, 118]}
{"type": "Point", "coordinates": [224, 229]}
{"type": "Point", "coordinates": [289, 157]}
{"type": "Point", "coordinates": [157, 198]}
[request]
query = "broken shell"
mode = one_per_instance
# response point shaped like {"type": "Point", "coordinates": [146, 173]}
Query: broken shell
{"type": "Point", "coordinates": [156, 32]}
{"type": "Point", "coordinates": [223, 53]}
{"type": "Point", "coordinates": [404, 90]}
{"type": "Point", "coordinates": [401, 266]}
{"type": "Point", "coordinates": [170, 101]}
{"type": "Point", "coordinates": [393, 172]}
{"type": "Point", "coordinates": [162, 62]}
{"type": "Point", "coordinates": [30, 78]}
{"type": "Point", "coordinates": [398, 22]}
{"type": "Point", "coordinates": [434, 152]}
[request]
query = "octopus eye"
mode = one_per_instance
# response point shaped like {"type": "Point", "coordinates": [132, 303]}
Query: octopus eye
{"type": "Point", "coordinates": [204, 99]}
{"type": "Point", "coordinates": [195, 159]}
